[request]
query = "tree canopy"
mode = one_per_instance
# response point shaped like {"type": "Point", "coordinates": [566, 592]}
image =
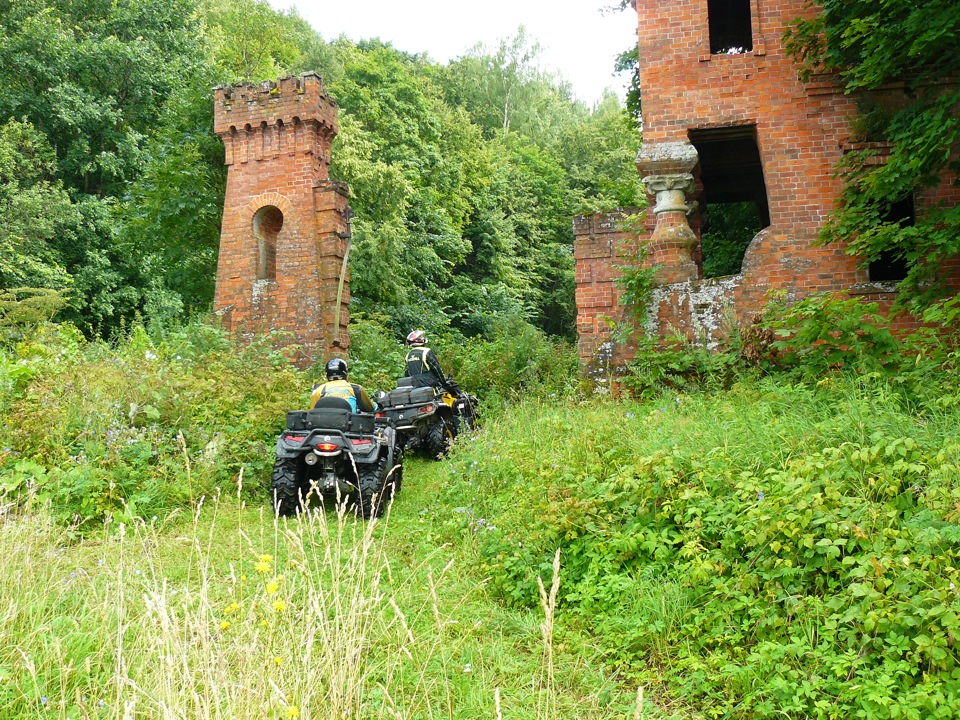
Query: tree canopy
{"type": "Point", "coordinates": [464, 177]}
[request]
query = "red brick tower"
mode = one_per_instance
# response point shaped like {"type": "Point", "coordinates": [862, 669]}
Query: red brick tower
{"type": "Point", "coordinates": [286, 225]}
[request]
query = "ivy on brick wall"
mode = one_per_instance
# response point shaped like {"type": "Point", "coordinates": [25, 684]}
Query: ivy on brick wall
{"type": "Point", "coordinates": [902, 61]}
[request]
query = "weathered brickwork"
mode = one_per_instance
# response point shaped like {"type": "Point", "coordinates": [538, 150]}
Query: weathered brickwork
{"type": "Point", "coordinates": [286, 225]}
{"type": "Point", "coordinates": [801, 130]}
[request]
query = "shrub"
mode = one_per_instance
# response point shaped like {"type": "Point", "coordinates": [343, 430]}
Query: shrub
{"type": "Point", "coordinates": [782, 550]}
{"type": "Point", "coordinates": [132, 427]}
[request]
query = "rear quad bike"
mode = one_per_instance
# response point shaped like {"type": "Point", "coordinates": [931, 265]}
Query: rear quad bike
{"type": "Point", "coordinates": [331, 451]}
{"type": "Point", "coordinates": [428, 418]}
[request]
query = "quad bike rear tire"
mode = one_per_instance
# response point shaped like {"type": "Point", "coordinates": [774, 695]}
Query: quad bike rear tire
{"type": "Point", "coordinates": [373, 490]}
{"type": "Point", "coordinates": [286, 489]}
{"type": "Point", "coordinates": [439, 439]}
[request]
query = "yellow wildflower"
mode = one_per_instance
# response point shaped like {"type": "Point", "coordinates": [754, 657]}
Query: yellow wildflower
{"type": "Point", "coordinates": [264, 623]}
{"type": "Point", "coordinates": [262, 567]}
{"type": "Point", "coordinates": [225, 625]}
{"type": "Point", "coordinates": [293, 711]}
{"type": "Point", "coordinates": [272, 587]}
{"type": "Point", "coordinates": [279, 605]}
{"type": "Point", "coordinates": [232, 608]}
{"type": "Point", "coordinates": [278, 660]}
{"type": "Point", "coordinates": [266, 558]}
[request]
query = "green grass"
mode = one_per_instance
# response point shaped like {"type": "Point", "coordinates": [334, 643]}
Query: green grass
{"type": "Point", "coordinates": [778, 550]}
{"type": "Point", "coordinates": [784, 548]}
{"type": "Point", "coordinates": [378, 621]}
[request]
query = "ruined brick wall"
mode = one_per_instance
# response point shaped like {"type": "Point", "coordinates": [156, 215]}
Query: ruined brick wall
{"type": "Point", "coordinates": [802, 131]}
{"type": "Point", "coordinates": [599, 242]}
{"type": "Point", "coordinates": [285, 224]}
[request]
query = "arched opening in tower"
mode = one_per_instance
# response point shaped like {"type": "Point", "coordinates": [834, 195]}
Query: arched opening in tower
{"type": "Point", "coordinates": [267, 223]}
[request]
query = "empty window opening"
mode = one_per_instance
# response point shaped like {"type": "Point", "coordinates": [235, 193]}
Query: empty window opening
{"type": "Point", "coordinates": [266, 226]}
{"type": "Point", "coordinates": [731, 31]}
{"type": "Point", "coordinates": [733, 206]}
{"type": "Point", "coordinates": [890, 267]}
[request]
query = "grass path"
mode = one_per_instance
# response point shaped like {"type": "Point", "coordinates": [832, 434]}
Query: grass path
{"type": "Point", "coordinates": [230, 614]}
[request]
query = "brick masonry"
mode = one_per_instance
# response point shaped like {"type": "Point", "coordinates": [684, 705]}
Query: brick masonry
{"type": "Point", "coordinates": [281, 201]}
{"type": "Point", "coordinates": [802, 131]}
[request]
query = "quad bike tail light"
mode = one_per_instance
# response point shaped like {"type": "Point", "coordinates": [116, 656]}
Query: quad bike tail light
{"type": "Point", "coordinates": [425, 409]}
{"type": "Point", "coordinates": [361, 442]}
{"type": "Point", "coordinates": [327, 447]}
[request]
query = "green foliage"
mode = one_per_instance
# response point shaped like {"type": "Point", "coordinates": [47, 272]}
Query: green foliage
{"type": "Point", "coordinates": [22, 309]}
{"type": "Point", "coordinates": [827, 331]}
{"type": "Point", "coordinates": [635, 280]}
{"type": "Point", "coordinates": [680, 366]}
{"type": "Point", "coordinates": [781, 550]}
{"type": "Point", "coordinates": [732, 227]}
{"type": "Point", "coordinates": [518, 361]}
{"type": "Point", "coordinates": [872, 45]}
{"type": "Point", "coordinates": [376, 355]}
{"type": "Point", "coordinates": [145, 424]}
{"type": "Point", "coordinates": [36, 216]}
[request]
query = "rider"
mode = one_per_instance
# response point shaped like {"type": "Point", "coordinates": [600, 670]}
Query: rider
{"type": "Point", "coordinates": [337, 386]}
{"type": "Point", "coordinates": [422, 364]}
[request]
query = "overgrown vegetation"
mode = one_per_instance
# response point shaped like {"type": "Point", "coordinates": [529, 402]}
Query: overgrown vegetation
{"type": "Point", "coordinates": [154, 422]}
{"type": "Point", "coordinates": [225, 612]}
{"type": "Point", "coordinates": [785, 548]}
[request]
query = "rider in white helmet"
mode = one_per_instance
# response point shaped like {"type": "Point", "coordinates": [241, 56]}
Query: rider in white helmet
{"type": "Point", "coordinates": [422, 364]}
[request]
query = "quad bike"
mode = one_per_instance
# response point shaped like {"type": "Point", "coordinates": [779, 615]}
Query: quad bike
{"type": "Point", "coordinates": [428, 418]}
{"type": "Point", "coordinates": [333, 451]}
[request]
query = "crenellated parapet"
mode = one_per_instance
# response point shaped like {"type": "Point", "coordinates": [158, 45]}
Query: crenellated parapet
{"type": "Point", "coordinates": [292, 116]}
{"type": "Point", "coordinates": [285, 232]}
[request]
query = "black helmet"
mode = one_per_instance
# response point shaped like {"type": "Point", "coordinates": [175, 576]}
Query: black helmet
{"type": "Point", "coordinates": [337, 369]}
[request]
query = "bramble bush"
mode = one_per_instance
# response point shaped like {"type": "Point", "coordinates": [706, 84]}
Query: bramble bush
{"type": "Point", "coordinates": [128, 428]}
{"type": "Point", "coordinates": [785, 549]}
{"type": "Point", "coordinates": [821, 335]}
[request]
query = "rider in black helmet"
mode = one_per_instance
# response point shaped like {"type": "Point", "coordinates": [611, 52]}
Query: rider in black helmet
{"type": "Point", "coordinates": [422, 364]}
{"type": "Point", "coordinates": [337, 386]}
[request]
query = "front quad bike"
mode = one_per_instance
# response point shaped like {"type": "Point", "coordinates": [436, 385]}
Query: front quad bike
{"type": "Point", "coordinates": [428, 418]}
{"type": "Point", "coordinates": [335, 452]}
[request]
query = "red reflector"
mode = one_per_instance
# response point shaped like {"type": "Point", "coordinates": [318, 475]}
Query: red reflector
{"type": "Point", "coordinates": [294, 438]}
{"type": "Point", "coordinates": [327, 447]}
{"type": "Point", "coordinates": [361, 442]}
{"type": "Point", "coordinates": [381, 415]}
{"type": "Point", "coordinates": [426, 409]}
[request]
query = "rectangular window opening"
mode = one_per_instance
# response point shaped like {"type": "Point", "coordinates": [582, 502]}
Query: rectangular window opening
{"type": "Point", "coordinates": [890, 266]}
{"type": "Point", "coordinates": [733, 206]}
{"type": "Point", "coordinates": [731, 29]}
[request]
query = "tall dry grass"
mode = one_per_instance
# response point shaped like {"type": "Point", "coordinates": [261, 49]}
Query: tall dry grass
{"type": "Point", "coordinates": [307, 619]}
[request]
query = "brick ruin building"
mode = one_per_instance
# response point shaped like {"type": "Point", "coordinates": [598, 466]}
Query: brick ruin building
{"type": "Point", "coordinates": [286, 225]}
{"type": "Point", "coordinates": [727, 122]}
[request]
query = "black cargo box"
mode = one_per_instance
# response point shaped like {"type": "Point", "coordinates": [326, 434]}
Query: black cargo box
{"type": "Point", "coordinates": [330, 419]}
{"type": "Point", "coordinates": [422, 395]}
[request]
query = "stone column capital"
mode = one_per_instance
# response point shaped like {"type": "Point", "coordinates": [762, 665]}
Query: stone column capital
{"type": "Point", "coordinates": [671, 191]}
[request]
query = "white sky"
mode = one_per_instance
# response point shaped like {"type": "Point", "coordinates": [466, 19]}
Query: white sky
{"type": "Point", "coordinates": [578, 40]}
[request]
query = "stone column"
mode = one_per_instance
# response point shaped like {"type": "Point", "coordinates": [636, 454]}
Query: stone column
{"type": "Point", "coordinates": [666, 172]}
